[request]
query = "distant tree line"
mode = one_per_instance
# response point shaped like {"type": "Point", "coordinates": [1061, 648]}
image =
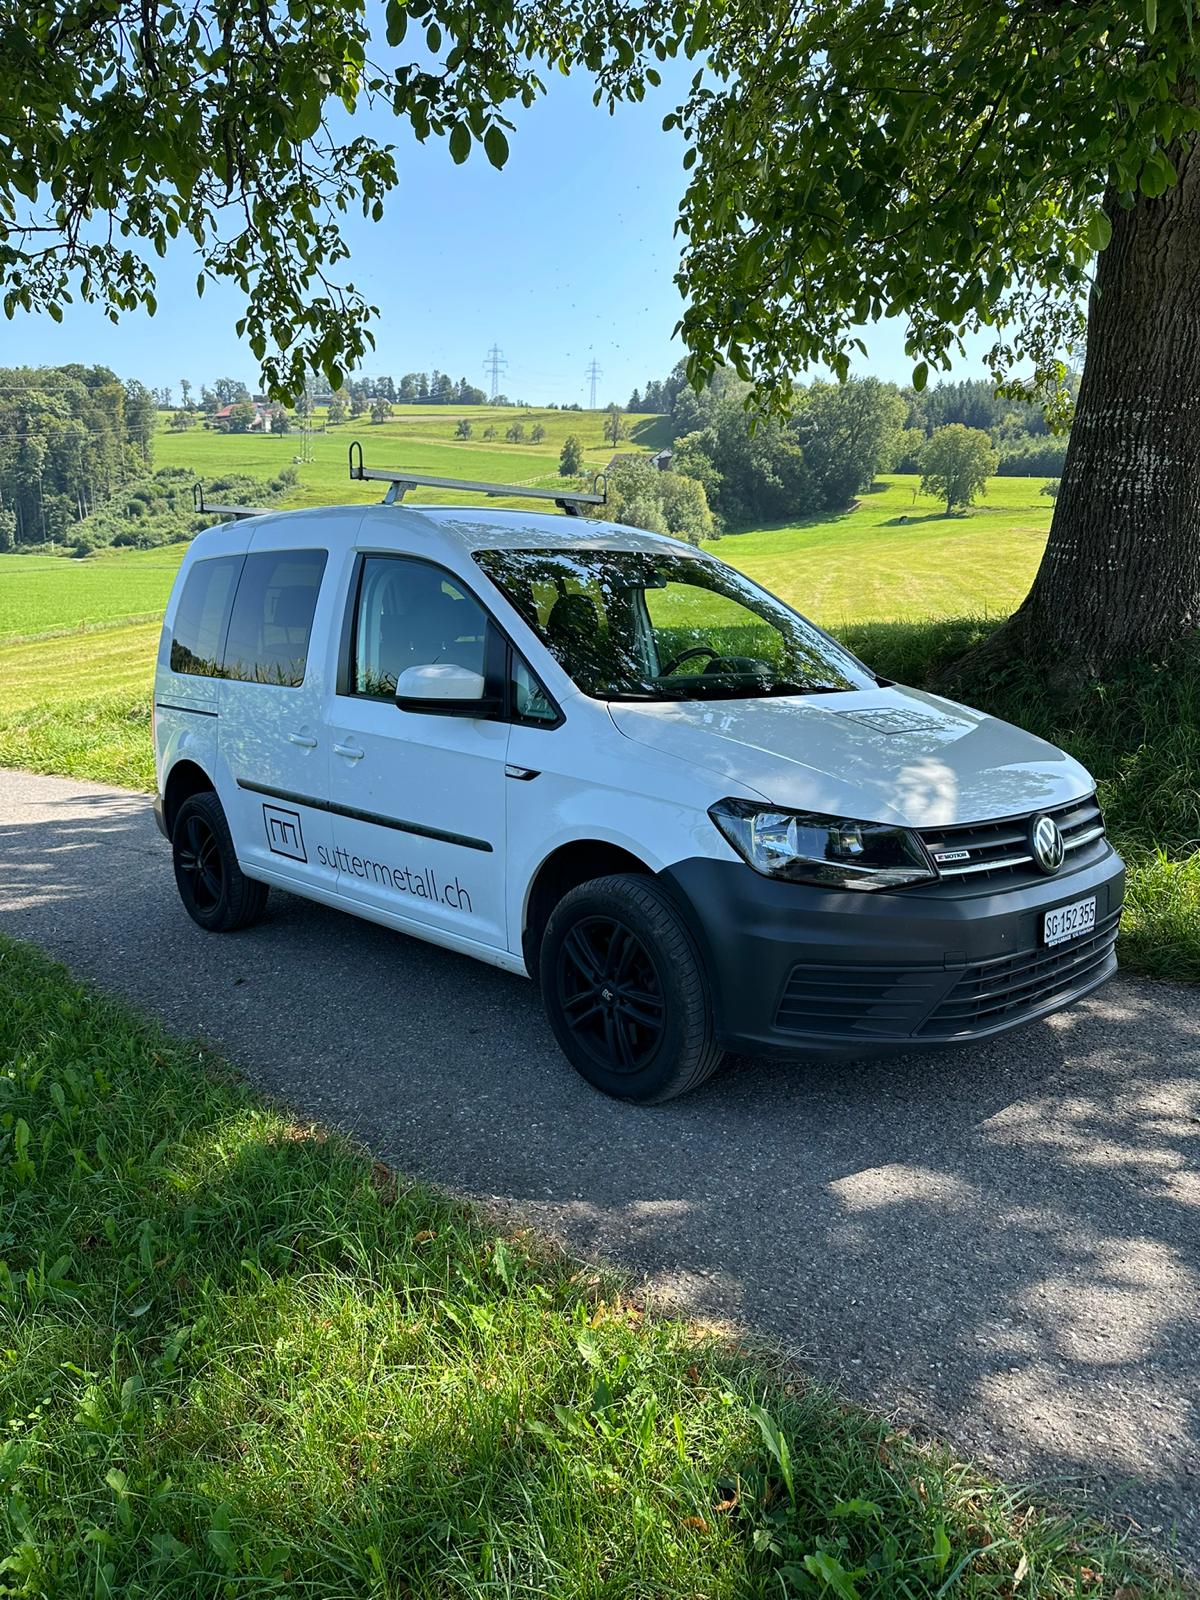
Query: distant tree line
{"type": "Point", "coordinates": [70, 438]}
{"type": "Point", "coordinates": [837, 439]}
{"type": "Point", "coordinates": [355, 398]}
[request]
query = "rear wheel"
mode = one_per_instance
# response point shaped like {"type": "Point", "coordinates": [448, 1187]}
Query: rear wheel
{"type": "Point", "coordinates": [215, 891]}
{"type": "Point", "coordinates": [626, 993]}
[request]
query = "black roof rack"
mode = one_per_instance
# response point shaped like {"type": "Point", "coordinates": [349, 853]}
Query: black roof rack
{"type": "Point", "coordinates": [203, 507]}
{"type": "Point", "coordinates": [401, 482]}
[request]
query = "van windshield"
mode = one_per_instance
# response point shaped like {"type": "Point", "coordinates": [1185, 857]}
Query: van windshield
{"type": "Point", "coordinates": [645, 625]}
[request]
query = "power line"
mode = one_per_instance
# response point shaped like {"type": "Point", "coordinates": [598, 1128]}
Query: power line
{"type": "Point", "coordinates": [494, 364]}
{"type": "Point", "coordinates": [593, 375]}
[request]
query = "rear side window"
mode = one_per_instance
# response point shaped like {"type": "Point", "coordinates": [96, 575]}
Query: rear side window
{"type": "Point", "coordinates": [201, 616]}
{"type": "Point", "coordinates": [272, 617]}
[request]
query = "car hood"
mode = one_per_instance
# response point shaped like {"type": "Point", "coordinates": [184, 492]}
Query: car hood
{"type": "Point", "coordinates": [878, 755]}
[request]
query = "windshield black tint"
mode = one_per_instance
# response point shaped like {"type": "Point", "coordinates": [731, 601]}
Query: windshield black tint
{"type": "Point", "coordinates": [636, 625]}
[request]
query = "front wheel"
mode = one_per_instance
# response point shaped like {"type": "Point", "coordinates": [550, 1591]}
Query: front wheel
{"type": "Point", "coordinates": [215, 891]}
{"type": "Point", "coordinates": [626, 993]}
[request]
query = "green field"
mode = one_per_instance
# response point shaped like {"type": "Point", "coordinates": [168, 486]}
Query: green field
{"type": "Point", "coordinates": [865, 565]}
{"type": "Point", "coordinates": [417, 438]}
{"type": "Point", "coordinates": [896, 556]}
{"type": "Point", "coordinates": [57, 594]}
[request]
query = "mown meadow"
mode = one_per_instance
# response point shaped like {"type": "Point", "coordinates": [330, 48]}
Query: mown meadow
{"type": "Point", "coordinates": [418, 438]}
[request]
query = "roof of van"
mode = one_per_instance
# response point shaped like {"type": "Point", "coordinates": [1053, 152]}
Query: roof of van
{"type": "Point", "coordinates": [473, 528]}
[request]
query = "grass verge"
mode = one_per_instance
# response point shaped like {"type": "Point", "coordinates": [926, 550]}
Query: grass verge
{"type": "Point", "coordinates": [79, 705]}
{"type": "Point", "coordinates": [241, 1359]}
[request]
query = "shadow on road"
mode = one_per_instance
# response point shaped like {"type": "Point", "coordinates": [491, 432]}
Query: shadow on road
{"type": "Point", "coordinates": [1001, 1241]}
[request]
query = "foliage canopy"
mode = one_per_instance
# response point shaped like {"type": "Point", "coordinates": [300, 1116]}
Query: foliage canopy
{"type": "Point", "coordinates": [947, 163]}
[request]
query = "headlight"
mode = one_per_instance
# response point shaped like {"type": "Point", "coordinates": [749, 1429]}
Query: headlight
{"type": "Point", "coordinates": [834, 852]}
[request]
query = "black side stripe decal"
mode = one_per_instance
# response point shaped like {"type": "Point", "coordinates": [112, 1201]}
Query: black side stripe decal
{"type": "Point", "coordinates": [419, 828]}
{"type": "Point", "coordinates": [196, 711]}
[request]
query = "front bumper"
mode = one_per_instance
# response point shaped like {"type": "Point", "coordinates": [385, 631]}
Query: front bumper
{"type": "Point", "coordinates": [809, 970]}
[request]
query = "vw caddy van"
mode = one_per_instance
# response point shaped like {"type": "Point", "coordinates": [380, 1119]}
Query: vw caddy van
{"type": "Point", "coordinates": [609, 762]}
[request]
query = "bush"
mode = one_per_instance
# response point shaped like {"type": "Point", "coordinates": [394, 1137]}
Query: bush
{"type": "Point", "coordinates": [661, 502]}
{"type": "Point", "coordinates": [1033, 457]}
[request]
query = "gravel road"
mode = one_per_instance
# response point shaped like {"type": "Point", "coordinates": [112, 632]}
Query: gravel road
{"type": "Point", "coordinates": [1000, 1244]}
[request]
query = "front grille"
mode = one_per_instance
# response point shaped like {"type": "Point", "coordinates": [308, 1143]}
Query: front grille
{"type": "Point", "coordinates": [1003, 990]}
{"type": "Point", "coordinates": [857, 1001]}
{"type": "Point", "coordinates": [1001, 849]}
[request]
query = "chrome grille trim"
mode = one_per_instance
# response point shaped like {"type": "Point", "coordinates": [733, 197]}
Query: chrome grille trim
{"type": "Point", "coordinates": [1079, 821]}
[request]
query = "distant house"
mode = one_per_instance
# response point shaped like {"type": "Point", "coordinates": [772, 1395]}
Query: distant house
{"type": "Point", "coordinates": [261, 423]}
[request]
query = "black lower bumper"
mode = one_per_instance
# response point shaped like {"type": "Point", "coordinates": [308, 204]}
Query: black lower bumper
{"type": "Point", "coordinates": [160, 816]}
{"type": "Point", "coordinates": [809, 970]}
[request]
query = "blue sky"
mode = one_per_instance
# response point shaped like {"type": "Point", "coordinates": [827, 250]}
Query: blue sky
{"type": "Point", "coordinates": [566, 255]}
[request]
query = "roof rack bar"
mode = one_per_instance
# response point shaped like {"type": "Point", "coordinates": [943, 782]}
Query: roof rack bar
{"type": "Point", "coordinates": [401, 482]}
{"type": "Point", "coordinates": [203, 507]}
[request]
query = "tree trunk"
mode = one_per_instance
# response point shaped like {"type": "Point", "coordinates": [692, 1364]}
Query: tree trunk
{"type": "Point", "coordinates": [1120, 577]}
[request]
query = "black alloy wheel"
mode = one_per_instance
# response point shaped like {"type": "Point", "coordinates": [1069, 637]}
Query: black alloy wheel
{"type": "Point", "coordinates": [198, 860]}
{"type": "Point", "coordinates": [610, 994]}
{"type": "Point", "coordinates": [215, 891]}
{"type": "Point", "coordinates": [626, 991]}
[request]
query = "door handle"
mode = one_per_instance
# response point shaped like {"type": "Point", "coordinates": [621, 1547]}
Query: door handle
{"type": "Point", "coordinates": [304, 740]}
{"type": "Point", "coordinates": [350, 751]}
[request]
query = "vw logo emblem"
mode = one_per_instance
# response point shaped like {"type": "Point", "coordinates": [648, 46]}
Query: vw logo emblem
{"type": "Point", "coordinates": [1046, 843]}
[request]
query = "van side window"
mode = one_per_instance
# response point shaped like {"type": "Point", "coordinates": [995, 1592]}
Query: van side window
{"type": "Point", "coordinates": [202, 614]}
{"type": "Point", "coordinates": [411, 614]}
{"type": "Point", "coordinates": [272, 617]}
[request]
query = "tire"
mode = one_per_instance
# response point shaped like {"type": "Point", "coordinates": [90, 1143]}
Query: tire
{"type": "Point", "coordinates": [626, 993]}
{"type": "Point", "coordinates": [216, 893]}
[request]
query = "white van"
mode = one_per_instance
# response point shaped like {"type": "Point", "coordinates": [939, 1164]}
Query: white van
{"type": "Point", "coordinates": [608, 761]}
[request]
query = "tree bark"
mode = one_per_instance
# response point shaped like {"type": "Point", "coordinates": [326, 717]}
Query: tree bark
{"type": "Point", "coordinates": [1120, 577]}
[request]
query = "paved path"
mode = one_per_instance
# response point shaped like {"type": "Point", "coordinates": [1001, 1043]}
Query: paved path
{"type": "Point", "coordinates": [1002, 1242]}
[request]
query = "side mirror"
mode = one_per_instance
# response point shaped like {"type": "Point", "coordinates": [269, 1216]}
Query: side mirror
{"type": "Point", "coordinates": [444, 690]}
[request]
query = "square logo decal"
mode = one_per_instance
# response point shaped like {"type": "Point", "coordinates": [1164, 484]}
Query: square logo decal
{"type": "Point", "coordinates": [284, 835]}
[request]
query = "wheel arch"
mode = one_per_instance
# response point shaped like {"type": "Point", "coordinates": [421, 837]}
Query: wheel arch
{"type": "Point", "coordinates": [185, 779]}
{"type": "Point", "coordinates": [565, 868]}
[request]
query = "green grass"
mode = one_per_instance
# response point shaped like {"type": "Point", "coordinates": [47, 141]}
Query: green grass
{"type": "Point", "coordinates": [419, 438]}
{"type": "Point", "coordinates": [868, 565]}
{"type": "Point", "coordinates": [80, 705]}
{"type": "Point", "coordinates": [57, 594]}
{"type": "Point", "coordinates": [240, 1359]}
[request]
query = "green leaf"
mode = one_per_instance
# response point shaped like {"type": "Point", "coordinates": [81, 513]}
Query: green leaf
{"type": "Point", "coordinates": [397, 22]}
{"type": "Point", "coordinates": [306, 118]}
{"type": "Point", "coordinates": [496, 146]}
{"type": "Point", "coordinates": [460, 143]}
{"type": "Point", "coordinates": [920, 376]}
{"type": "Point", "coordinates": [832, 1574]}
{"type": "Point", "coordinates": [1099, 231]}
{"type": "Point", "coordinates": [1151, 15]}
{"type": "Point", "coordinates": [941, 1547]}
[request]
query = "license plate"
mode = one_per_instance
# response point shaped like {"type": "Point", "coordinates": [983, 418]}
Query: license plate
{"type": "Point", "coordinates": [1068, 922]}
